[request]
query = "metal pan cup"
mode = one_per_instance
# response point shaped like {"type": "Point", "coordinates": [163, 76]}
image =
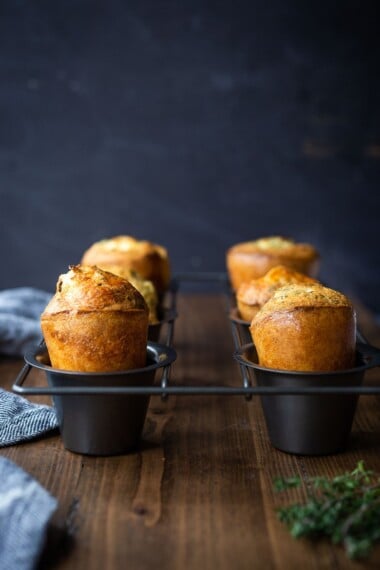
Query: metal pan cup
{"type": "Point", "coordinates": [103, 420]}
{"type": "Point", "coordinates": [309, 424]}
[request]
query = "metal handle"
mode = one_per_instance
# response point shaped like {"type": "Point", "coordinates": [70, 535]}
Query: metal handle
{"type": "Point", "coordinates": [173, 290]}
{"type": "Point", "coordinates": [243, 369]}
{"type": "Point", "coordinates": [21, 377]}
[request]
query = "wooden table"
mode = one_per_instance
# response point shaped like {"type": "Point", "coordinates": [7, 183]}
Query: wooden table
{"type": "Point", "coordinates": [198, 494]}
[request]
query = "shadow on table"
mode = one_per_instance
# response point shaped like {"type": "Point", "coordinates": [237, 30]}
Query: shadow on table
{"type": "Point", "coordinates": [60, 539]}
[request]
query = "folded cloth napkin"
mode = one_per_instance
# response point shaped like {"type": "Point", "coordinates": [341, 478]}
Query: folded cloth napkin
{"type": "Point", "coordinates": [25, 510]}
{"type": "Point", "coordinates": [20, 420]}
{"type": "Point", "coordinates": [20, 310]}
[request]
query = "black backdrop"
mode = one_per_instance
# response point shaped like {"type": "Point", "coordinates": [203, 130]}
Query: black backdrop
{"type": "Point", "coordinates": [193, 124]}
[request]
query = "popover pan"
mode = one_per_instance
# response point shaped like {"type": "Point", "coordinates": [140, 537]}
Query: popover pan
{"type": "Point", "coordinates": [314, 423]}
{"type": "Point", "coordinates": [102, 422]}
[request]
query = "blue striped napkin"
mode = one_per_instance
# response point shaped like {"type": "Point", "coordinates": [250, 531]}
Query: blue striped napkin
{"type": "Point", "coordinates": [25, 510]}
{"type": "Point", "coordinates": [21, 420]}
{"type": "Point", "coordinates": [25, 506]}
{"type": "Point", "coordinates": [20, 311]}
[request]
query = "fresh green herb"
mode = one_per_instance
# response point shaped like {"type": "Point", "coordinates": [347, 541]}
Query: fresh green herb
{"type": "Point", "coordinates": [345, 509]}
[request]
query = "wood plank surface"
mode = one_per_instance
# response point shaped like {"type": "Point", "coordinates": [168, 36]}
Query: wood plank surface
{"type": "Point", "coordinates": [198, 493]}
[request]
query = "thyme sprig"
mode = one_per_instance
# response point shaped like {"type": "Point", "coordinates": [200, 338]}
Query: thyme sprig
{"type": "Point", "coordinates": [345, 509]}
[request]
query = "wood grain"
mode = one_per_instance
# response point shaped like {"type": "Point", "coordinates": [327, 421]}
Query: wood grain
{"type": "Point", "coordinates": [198, 493]}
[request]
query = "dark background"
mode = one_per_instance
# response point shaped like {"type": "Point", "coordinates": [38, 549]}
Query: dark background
{"type": "Point", "coordinates": [193, 124]}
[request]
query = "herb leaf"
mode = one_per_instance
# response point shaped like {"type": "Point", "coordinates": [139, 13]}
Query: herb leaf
{"type": "Point", "coordinates": [345, 509]}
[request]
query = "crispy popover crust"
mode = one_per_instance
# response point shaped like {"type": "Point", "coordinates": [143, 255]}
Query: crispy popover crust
{"type": "Point", "coordinates": [252, 259]}
{"type": "Point", "coordinates": [305, 328]}
{"type": "Point", "coordinates": [96, 322]}
{"type": "Point", "coordinates": [252, 295]}
{"type": "Point", "coordinates": [144, 286]}
{"type": "Point", "coordinates": [147, 259]}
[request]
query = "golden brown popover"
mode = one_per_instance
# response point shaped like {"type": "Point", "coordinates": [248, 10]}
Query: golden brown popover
{"type": "Point", "coordinates": [95, 322]}
{"type": "Point", "coordinates": [305, 328]}
{"type": "Point", "coordinates": [252, 259]}
{"type": "Point", "coordinates": [251, 296]}
{"type": "Point", "coordinates": [147, 259]}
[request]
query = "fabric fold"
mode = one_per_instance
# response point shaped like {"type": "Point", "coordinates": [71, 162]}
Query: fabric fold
{"type": "Point", "coordinates": [20, 310]}
{"type": "Point", "coordinates": [25, 510]}
{"type": "Point", "coordinates": [21, 420]}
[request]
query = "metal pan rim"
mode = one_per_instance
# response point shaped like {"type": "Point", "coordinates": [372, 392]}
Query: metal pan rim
{"type": "Point", "coordinates": [165, 356]}
{"type": "Point", "coordinates": [360, 349]}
